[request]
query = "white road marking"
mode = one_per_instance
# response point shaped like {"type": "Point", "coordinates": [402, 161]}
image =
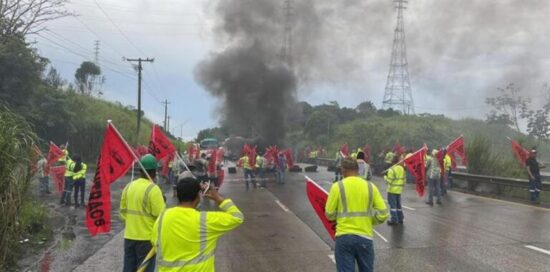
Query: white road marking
{"type": "Point", "coordinates": [538, 249]}
{"type": "Point", "coordinates": [282, 205]}
{"type": "Point", "coordinates": [380, 235]}
{"type": "Point", "coordinates": [402, 206]}
{"type": "Point", "coordinates": [331, 256]}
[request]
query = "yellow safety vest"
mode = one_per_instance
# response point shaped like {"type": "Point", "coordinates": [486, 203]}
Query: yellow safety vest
{"type": "Point", "coordinates": [141, 203]}
{"type": "Point", "coordinates": [80, 174]}
{"type": "Point", "coordinates": [185, 239]}
{"type": "Point", "coordinates": [389, 157]}
{"type": "Point", "coordinates": [356, 205]}
{"type": "Point", "coordinates": [245, 163]}
{"type": "Point", "coordinates": [69, 165]}
{"type": "Point", "coordinates": [395, 179]}
{"type": "Point", "coordinates": [447, 162]}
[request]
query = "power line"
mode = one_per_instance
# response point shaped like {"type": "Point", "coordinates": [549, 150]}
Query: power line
{"type": "Point", "coordinates": [97, 36]}
{"type": "Point", "coordinates": [116, 26]}
{"type": "Point", "coordinates": [85, 57]}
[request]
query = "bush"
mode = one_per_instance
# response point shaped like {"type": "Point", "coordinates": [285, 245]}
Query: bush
{"type": "Point", "coordinates": [16, 140]}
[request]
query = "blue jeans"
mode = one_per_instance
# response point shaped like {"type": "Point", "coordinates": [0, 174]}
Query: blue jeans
{"type": "Point", "coordinates": [280, 176]}
{"type": "Point", "coordinates": [249, 174]}
{"type": "Point", "coordinates": [434, 190]}
{"type": "Point", "coordinates": [79, 188]}
{"type": "Point", "coordinates": [395, 207]}
{"type": "Point", "coordinates": [350, 249]}
{"type": "Point", "coordinates": [337, 174]}
{"type": "Point", "coordinates": [134, 254]}
{"type": "Point", "coordinates": [535, 187]}
{"type": "Point", "coordinates": [67, 190]}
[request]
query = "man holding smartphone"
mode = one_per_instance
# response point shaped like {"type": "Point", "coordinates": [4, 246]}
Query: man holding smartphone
{"type": "Point", "coordinates": [185, 238]}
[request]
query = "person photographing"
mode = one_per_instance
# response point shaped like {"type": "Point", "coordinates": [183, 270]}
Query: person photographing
{"type": "Point", "coordinates": [185, 238]}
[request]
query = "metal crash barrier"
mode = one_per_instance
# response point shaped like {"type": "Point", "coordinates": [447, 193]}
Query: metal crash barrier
{"type": "Point", "coordinates": [496, 186]}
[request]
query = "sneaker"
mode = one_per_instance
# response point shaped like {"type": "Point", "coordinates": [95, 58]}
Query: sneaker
{"type": "Point", "coordinates": [430, 203]}
{"type": "Point", "coordinates": [400, 222]}
{"type": "Point", "coordinates": [439, 202]}
{"type": "Point", "coordinates": [390, 223]}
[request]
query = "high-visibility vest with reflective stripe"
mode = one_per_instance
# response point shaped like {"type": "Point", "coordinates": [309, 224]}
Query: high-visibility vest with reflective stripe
{"type": "Point", "coordinates": [244, 162]}
{"type": "Point", "coordinates": [69, 165]}
{"type": "Point", "coordinates": [356, 205]}
{"type": "Point", "coordinates": [185, 239]}
{"type": "Point", "coordinates": [141, 203]}
{"type": "Point", "coordinates": [259, 161]}
{"type": "Point", "coordinates": [395, 179]}
{"type": "Point", "coordinates": [80, 174]}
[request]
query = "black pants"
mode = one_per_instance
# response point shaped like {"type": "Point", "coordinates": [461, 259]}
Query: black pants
{"type": "Point", "coordinates": [134, 254]}
{"type": "Point", "coordinates": [79, 187]}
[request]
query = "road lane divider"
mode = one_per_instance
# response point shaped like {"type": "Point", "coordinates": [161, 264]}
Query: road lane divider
{"type": "Point", "coordinates": [538, 249]}
{"type": "Point", "coordinates": [282, 205]}
{"type": "Point", "coordinates": [380, 235]}
{"type": "Point", "coordinates": [408, 208]}
{"type": "Point", "coordinates": [332, 258]}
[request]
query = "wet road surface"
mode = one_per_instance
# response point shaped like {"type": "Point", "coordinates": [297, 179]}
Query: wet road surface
{"type": "Point", "coordinates": [466, 233]}
{"type": "Point", "coordinates": [282, 233]}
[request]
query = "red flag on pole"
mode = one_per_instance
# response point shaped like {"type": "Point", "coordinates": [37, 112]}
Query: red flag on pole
{"type": "Point", "coordinates": [159, 145]}
{"type": "Point", "coordinates": [54, 154]}
{"type": "Point", "coordinates": [58, 177]}
{"type": "Point", "coordinates": [415, 164]}
{"type": "Point", "coordinates": [457, 148]}
{"type": "Point", "coordinates": [344, 150]}
{"type": "Point", "coordinates": [166, 163]}
{"type": "Point", "coordinates": [288, 156]}
{"type": "Point", "coordinates": [318, 198]}
{"type": "Point", "coordinates": [115, 159]}
{"type": "Point", "coordinates": [521, 153]}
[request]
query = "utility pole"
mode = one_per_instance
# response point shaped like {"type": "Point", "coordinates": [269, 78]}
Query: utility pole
{"type": "Point", "coordinates": [139, 68]}
{"type": "Point", "coordinates": [168, 124]}
{"type": "Point", "coordinates": [165, 114]}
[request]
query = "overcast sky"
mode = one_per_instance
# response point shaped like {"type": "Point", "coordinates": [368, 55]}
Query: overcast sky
{"type": "Point", "coordinates": [459, 52]}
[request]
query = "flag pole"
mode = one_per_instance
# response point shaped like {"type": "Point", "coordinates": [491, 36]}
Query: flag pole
{"type": "Point", "coordinates": [110, 123]}
{"type": "Point", "coordinates": [401, 161]}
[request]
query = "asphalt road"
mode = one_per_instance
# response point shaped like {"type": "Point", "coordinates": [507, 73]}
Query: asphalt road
{"type": "Point", "coordinates": [466, 233]}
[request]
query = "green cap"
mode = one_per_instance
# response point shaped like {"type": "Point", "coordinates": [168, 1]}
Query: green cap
{"type": "Point", "coordinates": [149, 162]}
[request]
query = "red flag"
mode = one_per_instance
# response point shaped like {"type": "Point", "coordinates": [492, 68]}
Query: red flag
{"type": "Point", "coordinates": [211, 167]}
{"type": "Point", "coordinates": [344, 150]}
{"type": "Point", "coordinates": [58, 177]}
{"type": "Point", "coordinates": [141, 151]}
{"type": "Point", "coordinates": [115, 159]}
{"type": "Point", "coordinates": [271, 155]}
{"type": "Point", "coordinates": [318, 198]}
{"type": "Point", "coordinates": [457, 148]}
{"type": "Point", "coordinates": [251, 153]}
{"type": "Point", "coordinates": [398, 149]}
{"type": "Point", "coordinates": [54, 155]}
{"type": "Point", "coordinates": [520, 152]}
{"type": "Point", "coordinates": [366, 150]}
{"type": "Point", "coordinates": [159, 145]}
{"type": "Point", "coordinates": [289, 160]}
{"type": "Point", "coordinates": [415, 164]}
{"type": "Point", "coordinates": [166, 163]}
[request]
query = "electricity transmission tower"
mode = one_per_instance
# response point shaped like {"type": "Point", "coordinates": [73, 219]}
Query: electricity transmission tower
{"type": "Point", "coordinates": [398, 94]}
{"type": "Point", "coordinates": [96, 52]}
{"type": "Point", "coordinates": [286, 49]}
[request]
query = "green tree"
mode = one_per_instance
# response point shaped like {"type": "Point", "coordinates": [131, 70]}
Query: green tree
{"type": "Point", "coordinates": [366, 108]}
{"type": "Point", "coordinates": [509, 106]}
{"type": "Point", "coordinates": [88, 78]}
